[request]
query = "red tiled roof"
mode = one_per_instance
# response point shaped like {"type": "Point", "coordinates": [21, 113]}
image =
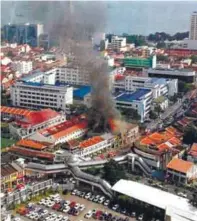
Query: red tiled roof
{"type": "Point", "coordinates": [81, 126]}
{"type": "Point", "coordinates": [15, 111]}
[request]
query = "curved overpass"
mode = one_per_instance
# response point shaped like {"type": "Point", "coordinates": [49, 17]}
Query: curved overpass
{"type": "Point", "coordinates": [76, 169]}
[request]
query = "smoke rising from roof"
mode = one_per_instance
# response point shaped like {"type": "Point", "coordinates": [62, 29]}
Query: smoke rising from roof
{"type": "Point", "coordinates": [72, 24]}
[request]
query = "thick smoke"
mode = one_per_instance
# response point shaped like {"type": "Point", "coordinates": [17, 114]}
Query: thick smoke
{"type": "Point", "coordinates": [73, 24]}
{"type": "Point", "coordinates": [74, 28]}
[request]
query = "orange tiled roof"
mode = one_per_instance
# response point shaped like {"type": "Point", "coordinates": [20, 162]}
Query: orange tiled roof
{"type": "Point", "coordinates": [15, 111]}
{"type": "Point", "coordinates": [174, 141]}
{"type": "Point", "coordinates": [193, 150]}
{"type": "Point", "coordinates": [163, 146]}
{"type": "Point", "coordinates": [31, 144]}
{"type": "Point", "coordinates": [147, 141]}
{"type": "Point", "coordinates": [91, 141]}
{"type": "Point", "coordinates": [70, 130]}
{"type": "Point", "coordinates": [179, 165]}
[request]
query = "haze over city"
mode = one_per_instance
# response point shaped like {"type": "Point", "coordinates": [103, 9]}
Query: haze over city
{"type": "Point", "coordinates": [98, 111]}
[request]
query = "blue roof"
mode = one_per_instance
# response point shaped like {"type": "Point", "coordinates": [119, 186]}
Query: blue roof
{"type": "Point", "coordinates": [81, 92]}
{"type": "Point", "coordinates": [133, 96]}
{"type": "Point", "coordinates": [158, 80]}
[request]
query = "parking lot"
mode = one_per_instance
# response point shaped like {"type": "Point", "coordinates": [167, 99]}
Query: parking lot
{"type": "Point", "coordinates": [71, 207]}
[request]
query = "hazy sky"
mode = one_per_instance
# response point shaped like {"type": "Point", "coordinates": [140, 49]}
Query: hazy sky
{"type": "Point", "coordinates": [135, 17]}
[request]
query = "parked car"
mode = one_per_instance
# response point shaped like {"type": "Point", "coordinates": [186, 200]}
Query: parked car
{"type": "Point", "coordinates": [107, 202]}
{"type": "Point", "coordinates": [88, 215]}
{"type": "Point", "coordinates": [140, 217]}
{"type": "Point", "coordinates": [115, 207]}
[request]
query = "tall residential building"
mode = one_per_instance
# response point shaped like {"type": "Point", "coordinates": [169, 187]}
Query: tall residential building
{"type": "Point", "coordinates": [23, 33]}
{"type": "Point", "coordinates": [193, 27]}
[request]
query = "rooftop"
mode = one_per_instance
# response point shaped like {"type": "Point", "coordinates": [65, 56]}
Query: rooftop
{"type": "Point", "coordinates": [129, 96]}
{"type": "Point", "coordinates": [91, 141]}
{"type": "Point", "coordinates": [31, 153]}
{"type": "Point", "coordinates": [156, 197]}
{"type": "Point", "coordinates": [7, 169]}
{"type": "Point", "coordinates": [31, 144]}
{"type": "Point", "coordinates": [80, 126]}
{"type": "Point", "coordinates": [81, 92]}
{"type": "Point", "coordinates": [37, 117]}
{"type": "Point", "coordinates": [193, 150]}
{"type": "Point", "coordinates": [179, 165]}
{"type": "Point", "coordinates": [15, 111]}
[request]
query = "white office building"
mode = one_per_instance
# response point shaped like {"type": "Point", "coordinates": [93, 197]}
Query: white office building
{"type": "Point", "coordinates": [72, 75]}
{"type": "Point", "coordinates": [22, 67]}
{"type": "Point", "coordinates": [159, 86]}
{"type": "Point", "coordinates": [139, 100]}
{"type": "Point", "coordinates": [39, 90]}
{"type": "Point", "coordinates": [118, 42]}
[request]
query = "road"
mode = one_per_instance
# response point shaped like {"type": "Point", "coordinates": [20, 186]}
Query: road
{"type": "Point", "coordinates": [176, 107]}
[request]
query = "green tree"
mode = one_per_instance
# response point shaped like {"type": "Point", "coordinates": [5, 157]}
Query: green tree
{"type": "Point", "coordinates": [194, 58]}
{"type": "Point", "coordinates": [190, 135]}
{"type": "Point", "coordinates": [152, 115]}
{"type": "Point", "coordinates": [161, 45]}
{"type": "Point", "coordinates": [10, 54]}
{"type": "Point", "coordinates": [113, 172]}
{"type": "Point", "coordinates": [158, 109]}
{"type": "Point", "coordinates": [162, 57]}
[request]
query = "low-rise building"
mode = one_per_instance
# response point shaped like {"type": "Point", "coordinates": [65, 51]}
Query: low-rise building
{"type": "Point", "coordinates": [95, 144]}
{"type": "Point", "coordinates": [26, 122]}
{"type": "Point", "coordinates": [186, 75]}
{"type": "Point", "coordinates": [192, 153]}
{"type": "Point", "coordinates": [11, 174]}
{"type": "Point", "coordinates": [181, 171]}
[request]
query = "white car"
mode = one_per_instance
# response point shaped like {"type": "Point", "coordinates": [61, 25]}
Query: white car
{"type": "Point", "coordinates": [82, 207]}
{"type": "Point", "coordinates": [115, 207]}
{"type": "Point", "coordinates": [65, 218]}
{"type": "Point", "coordinates": [45, 212]}
{"type": "Point", "coordinates": [87, 196]}
{"type": "Point", "coordinates": [67, 208]}
{"type": "Point", "coordinates": [77, 205]}
{"type": "Point", "coordinates": [140, 217]}
{"type": "Point", "coordinates": [106, 203]}
{"type": "Point", "coordinates": [17, 219]}
{"type": "Point", "coordinates": [101, 200]}
{"type": "Point", "coordinates": [74, 192]}
{"type": "Point", "coordinates": [88, 215]}
{"type": "Point", "coordinates": [67, 202]}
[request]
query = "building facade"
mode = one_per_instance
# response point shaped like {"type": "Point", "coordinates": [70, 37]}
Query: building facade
{"type": "Point", "coordinates": [181, 171]}
{"type": "Point", "coordinates": [23, 67]}
{"type": "Point", "coordinates": [23, 33]}
{"type": "Point", "coordinates": [185, 75]}
{"type": "Point", "coordinates": [193, 26]}
{"type": "Point", "coordinates": [118, 42]}
{"type": "Point", "coordinates": [140, 100]}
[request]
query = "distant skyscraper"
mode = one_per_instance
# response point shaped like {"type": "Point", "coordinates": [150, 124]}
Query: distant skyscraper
{"type": "Point", "coordinates": [193, 26]}
{"type": "Point", "coordinates": [23, 33]}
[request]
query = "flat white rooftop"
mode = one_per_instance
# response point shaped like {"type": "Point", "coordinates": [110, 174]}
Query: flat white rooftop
{"type": "Point", "coordinates": [177, 207]}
